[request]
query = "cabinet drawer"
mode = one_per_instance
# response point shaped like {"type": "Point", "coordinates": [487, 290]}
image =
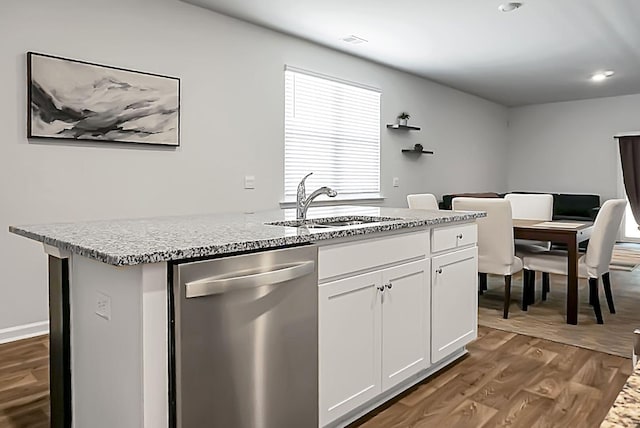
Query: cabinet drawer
{"type": "Point", "coordinates": [360, 256]}
{"type": "Point", "coordinates": [449, 238]}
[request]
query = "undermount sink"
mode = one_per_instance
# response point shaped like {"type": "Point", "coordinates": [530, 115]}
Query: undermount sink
{"type": "Point", "coordinates": [339, 223]}
{"type": "Point", "coordinates": [332, 222]}
{"type": "Point", "coordinates": [309, 225]}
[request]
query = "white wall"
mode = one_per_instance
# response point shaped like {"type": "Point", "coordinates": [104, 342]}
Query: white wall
{"type": "Point", "coordinates": [569, 146]}
{"type": "Point", "coordinates": [232, 125]}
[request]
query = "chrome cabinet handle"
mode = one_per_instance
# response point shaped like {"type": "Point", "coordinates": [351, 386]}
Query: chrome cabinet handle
{"type": "Point", "coordinates": [439, 271]}
{"type": "Point", "coordinates": [459, 236]}
{"type": "Point", "coordinates": [218, 285]}
{"type": "Point", "coordinates": [389, 285]}
{"type": "Point", "coordinates": [381, 288]}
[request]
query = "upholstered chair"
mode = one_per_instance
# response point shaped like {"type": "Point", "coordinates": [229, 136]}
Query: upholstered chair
{"type": "Point", "coordinates": [595, 263]}
{"type": "Point", "coordinates": [495, 241]}
{"type": "Point", "coordinates": [530, 206]}
{"type": "Point", "coordinates": [422, 201]}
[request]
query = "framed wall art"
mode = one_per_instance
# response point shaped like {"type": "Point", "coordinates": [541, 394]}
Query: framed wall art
{"type": "Point", "coordinates": [78, 100]}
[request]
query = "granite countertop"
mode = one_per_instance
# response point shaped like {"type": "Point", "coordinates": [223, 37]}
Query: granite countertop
{"type": "Point", "coordinates": [151, 240]}
{"type": "Point", "coordinates": [626, 409]}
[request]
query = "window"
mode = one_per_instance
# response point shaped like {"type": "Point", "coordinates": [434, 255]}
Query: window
{"type": "Point", "coordinates": [332, 128]}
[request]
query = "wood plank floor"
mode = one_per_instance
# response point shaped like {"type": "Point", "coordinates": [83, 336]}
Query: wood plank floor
{"type": "Point", "coordinates": [507, 380]}
{"type": "Point", "coordinates": [511, 380]}
{"type": "Point", "coordinates": [24, 383]}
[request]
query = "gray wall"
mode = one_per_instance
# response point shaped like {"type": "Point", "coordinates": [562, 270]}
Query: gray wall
{"type": "Point", "coordinates": [232, 126]}
{"type": "Point", "coordinates": [569, 146]}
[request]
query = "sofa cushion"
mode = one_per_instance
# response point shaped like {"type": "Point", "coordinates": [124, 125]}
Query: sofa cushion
{"type": "Point", "coordinates": [446, 199]}
{"type": "Point", "coordinates": [575, 207]}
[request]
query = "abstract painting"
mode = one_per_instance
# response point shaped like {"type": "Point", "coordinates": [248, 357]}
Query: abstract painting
{"type": "Point", "coordinates": [78, 100]}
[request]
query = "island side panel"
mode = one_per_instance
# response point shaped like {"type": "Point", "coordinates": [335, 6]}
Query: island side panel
{"type": "Point", "coordinates": [114, 361]}
{"type": "Point", "coordinates": [155, 341]}
{"type": "Point", "coordinates": [59, 343]}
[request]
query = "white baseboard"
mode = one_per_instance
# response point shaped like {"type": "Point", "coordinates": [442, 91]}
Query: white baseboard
{"type": "Point", "coordinates": [12, 334]}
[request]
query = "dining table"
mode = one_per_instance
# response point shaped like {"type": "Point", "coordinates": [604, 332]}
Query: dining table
{"type": "Point", "coordinates": [569, 233]}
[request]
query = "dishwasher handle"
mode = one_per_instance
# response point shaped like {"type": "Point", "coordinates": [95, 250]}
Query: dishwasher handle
{"type": "Point", "coordinates": [217, 285]}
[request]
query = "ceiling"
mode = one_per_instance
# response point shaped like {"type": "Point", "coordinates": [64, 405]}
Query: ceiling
{"type": "Point", "coordinates": [543, 52]}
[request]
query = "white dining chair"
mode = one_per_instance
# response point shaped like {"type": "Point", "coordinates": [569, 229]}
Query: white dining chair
{"type": "Point", "coordinates": [595, 263]}
{"type": "Point", "coordinates": [422, 201]}
{"type": "Point", "coordinates": [532, 206]}
{"type": "Point", "coordinates": [495, 240]}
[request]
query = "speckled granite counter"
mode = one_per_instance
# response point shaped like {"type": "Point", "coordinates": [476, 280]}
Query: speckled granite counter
{"type": "Point", "coordinates": [626, 409]}
{"type": "Point", "coordinates": [151, 240]}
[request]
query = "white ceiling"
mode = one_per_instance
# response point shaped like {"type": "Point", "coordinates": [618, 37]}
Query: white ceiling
{"type": "Point", "coordinates": [542, 52]}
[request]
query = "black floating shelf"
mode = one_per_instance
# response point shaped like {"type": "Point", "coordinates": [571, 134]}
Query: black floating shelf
{"type": "Point", "coordinates": [403, 127]}
{"type": "Point", "coordinates": [429, 152]}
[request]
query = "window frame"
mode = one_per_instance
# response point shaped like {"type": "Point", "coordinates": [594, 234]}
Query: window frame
{"type": "Point", "coordinates": [288, 200]}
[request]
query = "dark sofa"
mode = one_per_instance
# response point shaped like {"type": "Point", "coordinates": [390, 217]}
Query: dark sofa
{"type": "Point", "coordinates": [566, 206]}
{"type": "Point", "coordinates": [575, 207]}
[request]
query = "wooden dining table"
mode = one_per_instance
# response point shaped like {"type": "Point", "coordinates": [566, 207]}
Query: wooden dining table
{"type": "Point", "coordinates": [560, 232]}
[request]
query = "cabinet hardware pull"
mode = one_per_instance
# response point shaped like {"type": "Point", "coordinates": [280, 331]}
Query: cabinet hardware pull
{"type": "Point", "coordinates": [381, 288]}
{"type": "Point", "coordinates": [389, 285]}
{"type": "Point", "coordinates": [439, 270]}
{"type": "Point", "coordinates": [459, 236]}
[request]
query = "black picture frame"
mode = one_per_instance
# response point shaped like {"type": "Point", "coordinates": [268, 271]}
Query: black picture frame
{"type": "Point", "coordinates": [117, 105]}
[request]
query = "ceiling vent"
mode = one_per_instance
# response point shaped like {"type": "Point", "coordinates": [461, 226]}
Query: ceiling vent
{"type": "Point", "coordinates": [354, 40]}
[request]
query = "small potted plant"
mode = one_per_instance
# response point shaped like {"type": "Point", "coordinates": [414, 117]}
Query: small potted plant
{"type": "Point", "coordinates": [403, 118]}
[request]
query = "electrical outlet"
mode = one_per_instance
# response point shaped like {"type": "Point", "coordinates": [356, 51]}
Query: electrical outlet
{"type": "Point", "coordinates": [249, 182]}
{"type": "Point", "coordinates": [103, 306]}
{"type": "Point", "coordinates": [396, 182]}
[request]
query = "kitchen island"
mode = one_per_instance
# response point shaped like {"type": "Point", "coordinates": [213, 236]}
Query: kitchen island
{"type": "Point", "coordinates": [111, 320]}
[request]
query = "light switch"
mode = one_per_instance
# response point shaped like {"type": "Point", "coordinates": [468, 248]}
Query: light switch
{"type": "Point", "coordinates": [103, 306]}
{"type": "Point", "coordinates": [249, 182]}
{"type": "Point", "coordinates": [396, 182]}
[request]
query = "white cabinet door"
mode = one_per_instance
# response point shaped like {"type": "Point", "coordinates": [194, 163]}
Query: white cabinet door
{"type": "Point", "coordinates": [349, 344]}
{"type": "Point", "coordinates": [405, 317]}
{"type": "Point", "coordinates": [454, 301]}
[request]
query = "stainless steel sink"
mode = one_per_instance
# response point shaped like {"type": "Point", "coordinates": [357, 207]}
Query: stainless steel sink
{"type": "Point", "coordinates": [332, 222]}
{"type": "Point", "coordinates": [312, 226]}
{"type": "Point", "coordinates": [340, 223]}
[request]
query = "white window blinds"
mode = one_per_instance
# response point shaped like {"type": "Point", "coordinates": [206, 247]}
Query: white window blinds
{"type": "Point", "coordinates": [332, 129]}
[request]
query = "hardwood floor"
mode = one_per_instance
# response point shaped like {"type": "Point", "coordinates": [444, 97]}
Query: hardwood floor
{"type": "Point", "coordinates": [511, 380]}
{"type": "Point", "coordinates": [24, 383]}
{"type": "Point", "coordinates": [507, 380]}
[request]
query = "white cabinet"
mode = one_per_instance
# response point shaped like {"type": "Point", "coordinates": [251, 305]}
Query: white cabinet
{"type": "Point", "coordinates": [388, 312]}
{"type": "Point", "coordinates": [370, 254]}
{"type": "Point", "coordinates": [373, 332]}
{"type": "Point", "coordinates": [349, 344]}
{"type": "Point", "coordinates": [405, 322]}
{"type": "Point", "coordinates": [454, 296]}
{"type": "Point", "coordinates": [453, 237]}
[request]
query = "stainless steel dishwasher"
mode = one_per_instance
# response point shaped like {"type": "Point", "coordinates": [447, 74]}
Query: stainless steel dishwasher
{"type": "Point", "coordinates": [246, 340]}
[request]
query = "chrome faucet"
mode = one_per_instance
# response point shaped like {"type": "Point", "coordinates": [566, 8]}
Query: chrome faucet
{"type": "Point", "coordinates": [303, 202]}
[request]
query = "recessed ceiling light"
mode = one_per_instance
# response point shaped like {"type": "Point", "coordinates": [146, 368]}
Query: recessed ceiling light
{"type": "Point", "coordinates": [509, 6]}
{"type": "Point", "coordinates": [354, 40]}
{"type": "Point", "coordinates": [601, 75]}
